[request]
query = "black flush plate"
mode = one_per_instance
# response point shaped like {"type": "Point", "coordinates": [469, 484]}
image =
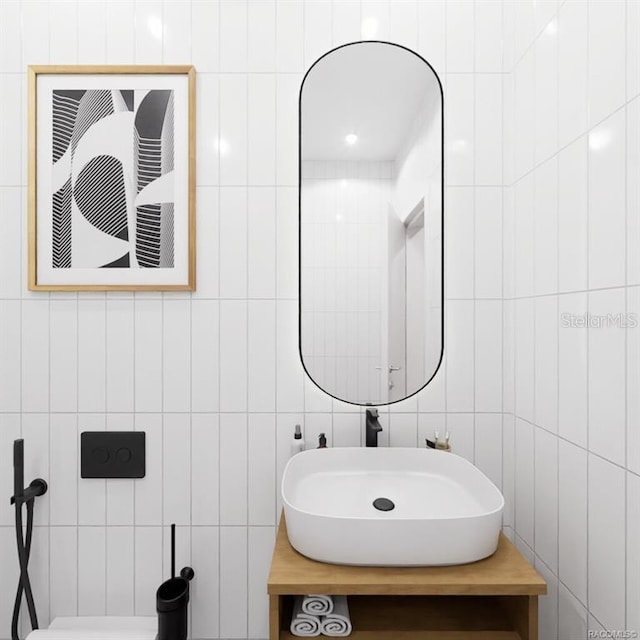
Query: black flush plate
{"type": "Point", "coordinates": [112, 454]}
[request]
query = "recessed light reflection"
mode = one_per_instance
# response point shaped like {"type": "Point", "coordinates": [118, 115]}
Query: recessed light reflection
{"type": "Point", "coordinates": [154, 24]}
{"type": "Point", "coordinates": [599, 139]}
{"type": "Point", "coordinates": [458, 145]}
{"type": "Point", "coordinates": [351, 139]}
{"type": "Point", "coordinates": [369, 27]}
{"type": "Point", "coordinates": [552, 28]}
{"type": "Point", "coordinates": [221, 146]}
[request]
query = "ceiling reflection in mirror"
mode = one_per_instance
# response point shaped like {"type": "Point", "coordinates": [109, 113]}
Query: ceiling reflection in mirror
{"type": "Point", "coordinates": [371, 238]}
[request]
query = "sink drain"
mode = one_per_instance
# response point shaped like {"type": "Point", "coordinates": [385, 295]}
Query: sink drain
{"type": "Point", "coordinates": [383, 504]}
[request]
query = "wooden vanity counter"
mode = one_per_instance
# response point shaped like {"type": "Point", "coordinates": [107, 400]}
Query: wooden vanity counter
{"type": "Point", "coordinates": [493, 599]}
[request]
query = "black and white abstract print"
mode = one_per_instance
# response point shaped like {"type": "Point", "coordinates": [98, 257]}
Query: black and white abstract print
{"type": "Point", "coordinates": [113, 179]}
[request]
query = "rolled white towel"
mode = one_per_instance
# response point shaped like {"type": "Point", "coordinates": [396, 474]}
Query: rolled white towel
{"type": "Point", "coordinates": [338, 623]}
{"type": "Point", "coordinates": [303, 624]}
{"type": "Point", "coordinates": [317, 604]}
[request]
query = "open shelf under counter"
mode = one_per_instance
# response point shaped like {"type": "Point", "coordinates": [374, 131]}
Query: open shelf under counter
{"type": "Point", "coordinates": [493, 599]}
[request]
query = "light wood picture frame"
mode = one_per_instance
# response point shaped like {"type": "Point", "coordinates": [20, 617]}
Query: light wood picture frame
{"type": "Point", "coordinates": [111, 187]}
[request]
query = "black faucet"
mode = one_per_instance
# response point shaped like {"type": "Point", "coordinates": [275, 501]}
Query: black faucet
{"type": "Point", "coordinates": [372, 428]}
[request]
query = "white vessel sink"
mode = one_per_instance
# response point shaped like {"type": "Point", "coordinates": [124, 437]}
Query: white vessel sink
{"type": "Point", "coordinates": [445, 510]}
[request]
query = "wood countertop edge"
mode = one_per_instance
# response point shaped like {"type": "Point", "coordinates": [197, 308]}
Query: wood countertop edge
{"type": "Point", "coordinates": [531, 582]}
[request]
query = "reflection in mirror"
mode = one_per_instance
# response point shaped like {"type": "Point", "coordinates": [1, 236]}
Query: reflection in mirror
{"type": "Point", "coordinates": [371, 313]}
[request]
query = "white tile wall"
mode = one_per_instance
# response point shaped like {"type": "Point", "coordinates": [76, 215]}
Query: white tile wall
{"type": "Point", "coordinates": [574, 244]}
{"type": "Point", "coordinates": [539, 171]}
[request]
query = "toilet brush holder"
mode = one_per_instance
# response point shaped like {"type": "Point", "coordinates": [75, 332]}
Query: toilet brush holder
{"type": "Point", "coordinates": [172, 600]}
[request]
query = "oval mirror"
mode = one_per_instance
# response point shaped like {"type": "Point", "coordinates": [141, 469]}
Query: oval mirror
{"type": "Point", "coordinates": [371, 217]}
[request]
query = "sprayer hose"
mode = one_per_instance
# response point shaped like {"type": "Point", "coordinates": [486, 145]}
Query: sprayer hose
{"type": "Point", "coordinates": [24, 584]}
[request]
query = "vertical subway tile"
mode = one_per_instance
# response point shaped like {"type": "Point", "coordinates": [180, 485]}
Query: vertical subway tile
{"type": "Point", "coordinates": [261, 134]}
{"type": "Point", "coordinates": [460, 129]}
{"type": "Point", "coordinates": [120, 355]}
{"type": "Point", "coordinates": [572, 368]}
{"type": "Point", "coordinates": [147, 382]}
{"type": "Point", "coordinates": [10, 355]}
{"type": "Point", "coordinates": [147, 568]}
{"type": "Point", "coordinates": [63, 31]}
{"type": "Point", "coordinates": [606, 549]}
{"type": "Point", "coordinates": [205, 337]}
{"type": "Point", "coordinates": [205, 43]}
{"type": "Point", "coordinates": [63, 376]}
{"type": "Point", "coordinates": [546, 362]}
{"type": "Point", "coordinates": [233, 142]}
{"type": "Point", "coordinates": [63, 439]}
{"type": "Point", "coordinates": [460, 36]}
{"type": "Point", "coordinates": [459, 272]}
{"type": "Point", "coordinates": [260, 549]}
{"type": "Point", "coordinates": [488, 129]}
{"type": "Point", "coordinates": [607, 56]}
{"type": "Point", "coordinates": [488, 31]}
{"type": "Point", "coordinates": [208, 146]}
{"type": "Point", "coordinates": [460, 372]}
{"type": "Point", "coordinates": [176, 327]}
{"type": "Point", "coordinates": [233, 469]}
{"type": "Point", "coordinates": [91, 355]}
{"type": "Point", "coordinates": [120, 29]}
{"type": "Point", "coordinates": [488, 445]}
{"type": "Point", "coordinates": [233, 242]}
{"type": "Point", "coordinates": [233, 35]}
{"type": "Point", "coordinates": [176, 476]}
{"type": "Point", "coordinates": [261, 34]}
{"type": "Point", "coordinates": [261, 242]}
{"type": "Point", "coordinates": [35, 39]}
{"type": "Point", "coordinates": [233, 355]}
{"type": "Point", "coordinates": [10, 238]}
{"type": "Point", "coordinates": [286, 243]}
{"type": "Point", "coordinates": [92, 40]}
{"type": "Point", "coordinates": [92, 569]}
{"type": "Point", "coordinates": [63, 571]}
{"type": "Point", "coordinates": [10, 53]}
{"type": "Point", "coordinates": [572, 216]}
{"type": "Point", "coordinates": [607, 203]}
{"type": "Point", "coordinates": [261, 371]}
{"type": "Point", "coordinates": [525, 481]}
{"type": "Point", "coordinates": [176, 41]}
{"type": "Point", "coordinates": [289, 36]}
{"type": "Point", "coordinates": [207, 243]}
{"type": "Point", "coordinates": [546, 498]}
{"type": "Point", "coordinates": [120, 568]}
{"type": "Point", "coordinates": [606, 400]}
{"type": "Point", "coordinates": [487, 239]}
{"type": "Point", "coordinates": [205, 613]}
{"type": "Point", "coordinates": [35, 355]}
{"type": "Point", "coordinates": [205, 469]}
{"type": "Point", "coordinates": [261, 464]}
{"type": "Point", "coordinates": [149, 31]}
{"type": "Point", "coordinates": [487, 359]}
{"type": "Point", "coordinates": [233, 582]}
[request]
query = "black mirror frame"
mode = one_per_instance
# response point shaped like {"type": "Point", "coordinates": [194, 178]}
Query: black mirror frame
{"type": "Point", "coordinates": [442, 234]}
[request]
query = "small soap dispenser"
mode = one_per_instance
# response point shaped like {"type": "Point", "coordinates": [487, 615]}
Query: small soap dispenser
{"type": "Point", "coordinates": [297, 444]}
{"type": "Point", "coordinates": [322, 441]}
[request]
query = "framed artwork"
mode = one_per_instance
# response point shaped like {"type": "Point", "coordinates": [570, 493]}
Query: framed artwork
{"type": "Point", "coordinates": [111, 178]}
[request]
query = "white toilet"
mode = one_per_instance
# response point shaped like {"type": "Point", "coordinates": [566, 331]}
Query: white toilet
{"type": "Point", "coordinates": [99, 628]}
